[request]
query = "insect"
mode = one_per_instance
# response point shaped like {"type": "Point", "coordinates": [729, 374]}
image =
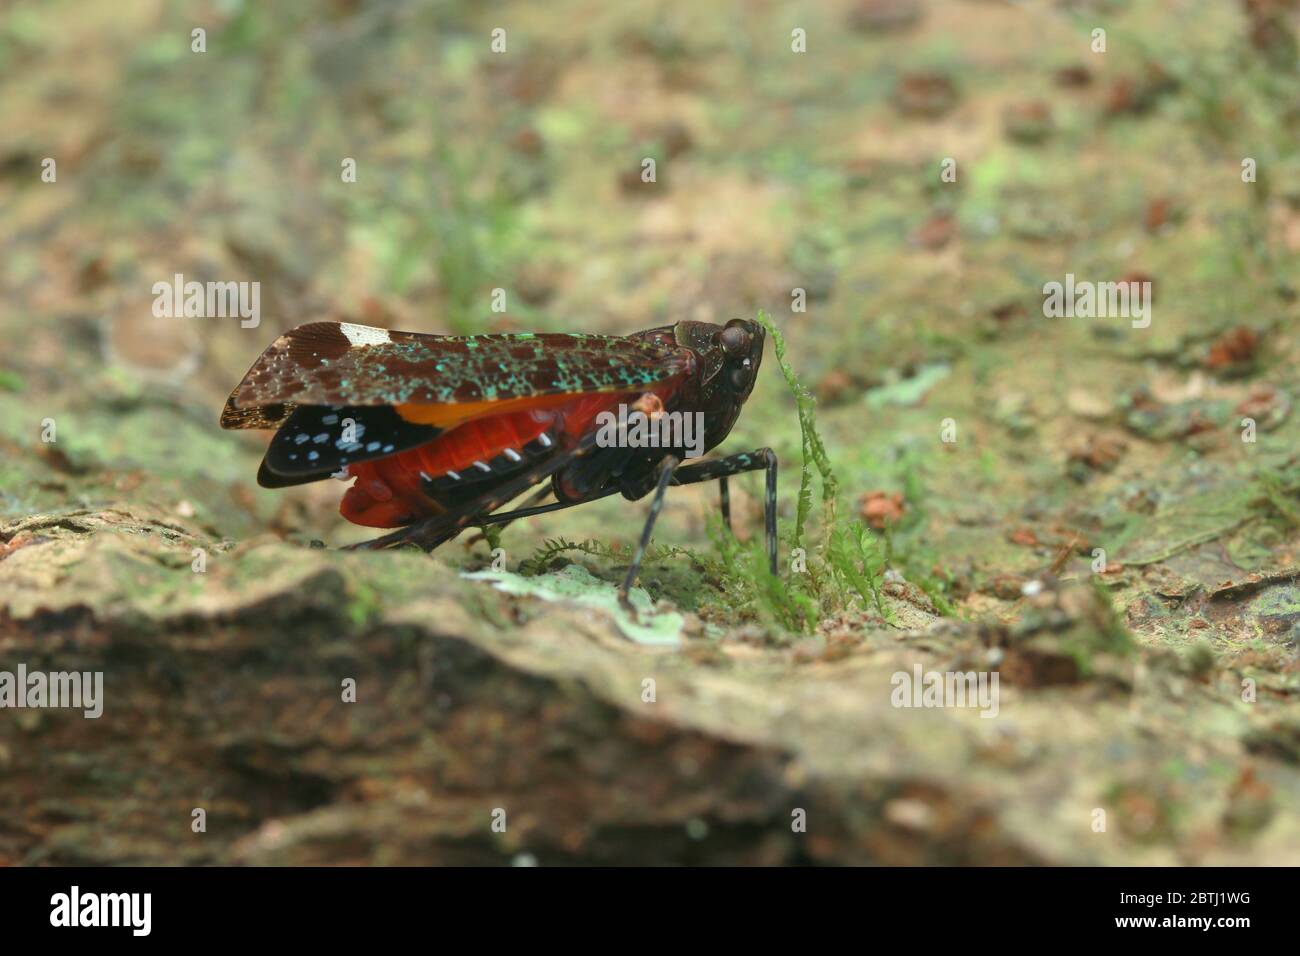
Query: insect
{"type": "Point", "coordinates": [439, 432]}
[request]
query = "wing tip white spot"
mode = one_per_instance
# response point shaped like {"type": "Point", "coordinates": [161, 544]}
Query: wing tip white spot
{"type": "Point", "coordinates": [360, 336]}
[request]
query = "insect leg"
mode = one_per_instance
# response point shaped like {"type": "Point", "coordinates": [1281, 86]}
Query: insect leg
{"type": "Point", "coordinates": [724, 499]}
{"type": "Point", "coordinates": [508, 516]}
{"type": "Point", "coordinates": [533, 500]}
{"type": "Point", "coordinates": [669, 465]}
{"type": "Point", "coordinates": [721, 469]}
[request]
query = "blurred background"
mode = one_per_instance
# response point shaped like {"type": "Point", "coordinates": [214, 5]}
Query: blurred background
{"type": "Point", "coordinates": [800, 151]}
{"type": "Point", "coordinates": [775, 171]}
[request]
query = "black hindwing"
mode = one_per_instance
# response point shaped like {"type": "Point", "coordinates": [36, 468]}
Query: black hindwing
{"type": "Point", "coordinates": [318, 440]}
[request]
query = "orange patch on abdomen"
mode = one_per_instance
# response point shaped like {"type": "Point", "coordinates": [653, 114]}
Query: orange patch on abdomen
{"type": "Point", "coordinates": [450, 416]}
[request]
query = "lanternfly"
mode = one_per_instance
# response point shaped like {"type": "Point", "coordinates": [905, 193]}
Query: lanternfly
{"type": "Point", "coordinates": [439, 432]}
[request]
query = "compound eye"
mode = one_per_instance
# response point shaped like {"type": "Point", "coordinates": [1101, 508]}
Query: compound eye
{"type": "Point", "coordinates": [740, 376]}
{"type": "Point", "coordinates": [734, 340]}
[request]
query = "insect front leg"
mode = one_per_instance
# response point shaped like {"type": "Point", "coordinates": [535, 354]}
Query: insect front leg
{"type": "Point", "coordinates": [667, 468]}
{"type": "Point", "coordinates": [721, 469]}
{"type": "Point", "coordinates": [724, 500]}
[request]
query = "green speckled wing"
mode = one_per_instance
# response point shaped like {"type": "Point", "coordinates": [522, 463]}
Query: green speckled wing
{"type": "Point", "coordinates": [336, 363]}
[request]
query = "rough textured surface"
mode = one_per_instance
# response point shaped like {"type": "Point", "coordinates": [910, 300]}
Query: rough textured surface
{"type": "Point", "coordinates": [223, 692]}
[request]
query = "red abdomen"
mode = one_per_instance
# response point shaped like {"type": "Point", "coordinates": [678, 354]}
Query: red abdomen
{"type": "Point", "coordinates": [397, 490]}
